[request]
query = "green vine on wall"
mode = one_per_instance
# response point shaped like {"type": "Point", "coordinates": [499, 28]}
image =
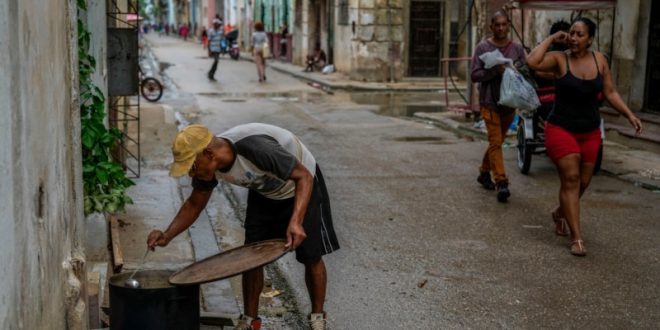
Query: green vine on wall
{"type": "Point", "coordinates": [104, 180]}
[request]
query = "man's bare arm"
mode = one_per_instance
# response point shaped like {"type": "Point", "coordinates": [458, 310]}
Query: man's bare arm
{"type": "Point", "coordinates": [304, 183]}
{"type": "Point", "coordinates": [186, 216]}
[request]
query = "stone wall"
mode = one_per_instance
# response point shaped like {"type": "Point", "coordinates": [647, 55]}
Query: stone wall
{"type": "Point", "coordinates": [40, 172]}
{"type": "Point", "coordinates": [377, 46]}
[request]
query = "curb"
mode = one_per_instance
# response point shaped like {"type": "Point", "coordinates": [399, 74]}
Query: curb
{"type": "Point", "coordinates": [344, 86]}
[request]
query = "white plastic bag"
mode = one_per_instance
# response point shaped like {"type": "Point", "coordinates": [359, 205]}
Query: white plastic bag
{"type": "Point", "coordinates": [516, 92]}
{"type": "Point", "coordinates": [328, 69]}
{"type": "Point", "coordinates": [494, 58]}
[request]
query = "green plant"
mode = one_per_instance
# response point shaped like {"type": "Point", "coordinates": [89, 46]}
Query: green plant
{"type": "Point", "coordinates": [104, 180]}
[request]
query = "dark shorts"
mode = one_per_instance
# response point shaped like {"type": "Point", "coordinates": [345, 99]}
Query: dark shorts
{"type": "Point", "coordinates": [268, 219]}
{"type": "Point", "coordinates": [560, 143]}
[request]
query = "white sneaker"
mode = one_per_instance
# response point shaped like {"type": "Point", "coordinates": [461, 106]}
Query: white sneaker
{"type": "Point", "coordinates": [317, 321]}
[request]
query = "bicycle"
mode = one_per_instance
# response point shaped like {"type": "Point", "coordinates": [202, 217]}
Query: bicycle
{"type": "Point", "coordinates": [150, 88]}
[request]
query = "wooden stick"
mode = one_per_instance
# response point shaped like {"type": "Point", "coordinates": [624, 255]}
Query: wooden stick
{"type": "Point", "coordinates": [117, 255]}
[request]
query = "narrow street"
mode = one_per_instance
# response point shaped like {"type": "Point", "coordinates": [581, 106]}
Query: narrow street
{"type": "Point", "coordinates": [423, 246]}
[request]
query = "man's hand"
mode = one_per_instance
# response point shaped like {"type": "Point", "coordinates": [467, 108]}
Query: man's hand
{"type": "Point", "coordinates": [157, 238]}
{"type": "Point", "coordinates": [295, 235]}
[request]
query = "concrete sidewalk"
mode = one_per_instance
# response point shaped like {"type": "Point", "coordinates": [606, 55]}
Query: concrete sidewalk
{"type": "Point", "coordinates": [341, 81]}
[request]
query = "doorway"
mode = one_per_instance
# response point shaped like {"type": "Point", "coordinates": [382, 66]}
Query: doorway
{"type": "Point", "coordinates": [425, 38]}
{"type": "Point", "coordinates": [652, 100]}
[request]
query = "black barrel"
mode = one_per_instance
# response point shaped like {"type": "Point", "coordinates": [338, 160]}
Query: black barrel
{"type": "Point", "coordinates": [156, 305]}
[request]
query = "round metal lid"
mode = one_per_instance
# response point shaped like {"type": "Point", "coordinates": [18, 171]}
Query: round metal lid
{"type": "Point", "coordinates": [230, 263]}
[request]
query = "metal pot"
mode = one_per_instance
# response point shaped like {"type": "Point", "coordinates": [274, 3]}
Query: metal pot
{"type": "Point", "coordinates": [156, 305]}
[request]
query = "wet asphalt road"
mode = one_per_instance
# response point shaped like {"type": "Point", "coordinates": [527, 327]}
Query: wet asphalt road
{"type": "Point", "coordinates": [423, 245]}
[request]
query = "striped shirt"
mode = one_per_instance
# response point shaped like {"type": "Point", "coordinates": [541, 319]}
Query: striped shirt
{"type": "Point", "coordinates": [214, 39]}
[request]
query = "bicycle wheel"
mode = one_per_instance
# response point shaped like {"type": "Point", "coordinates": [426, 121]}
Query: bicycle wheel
{"type": "Point", "coordinates": [151, 89]}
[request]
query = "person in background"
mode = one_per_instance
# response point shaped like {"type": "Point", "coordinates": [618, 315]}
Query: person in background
{"type": "Point", "coordinates": [284, 32]}
{"type": "Point", "coordinates": [317, 60]}
{"type": "Point", "coordinates": [496, 117]}
{"type": "Point", "coordinates": [547, 79]}
{"type": "Point", "coordinates": [572, 131]}
{"type": "Point", "coordinates": [184, 31]}
{"type": "Point", "coordinates": [259, 38]}
{"type": "Point", "coordinates": [215, 35]}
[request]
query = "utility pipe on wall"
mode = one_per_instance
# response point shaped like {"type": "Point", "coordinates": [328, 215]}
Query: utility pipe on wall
{"type": "Point", "coordinates": [390, 48]}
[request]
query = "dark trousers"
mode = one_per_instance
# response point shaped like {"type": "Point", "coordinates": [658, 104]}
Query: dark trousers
{"type": "Point", "coordinates": [497, 124]}
{"type": "Point", "coordinates": [214, 67]}
{"type": "Point", "coordinates": [283, 49]}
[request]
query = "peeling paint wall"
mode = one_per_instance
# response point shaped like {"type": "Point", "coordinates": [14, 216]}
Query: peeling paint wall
{"type": "Point", "coordinates": [96, 24]}
{"type": "Point", "coordinates": [631, 50]}
{"type": "Point", "coordinates": [344, 35]}
{"type": "Point", "coordinates": [300, 31]}
{"type": "Point", "coordinates": [40, 187]}
{"type": "Point", "coordinates": [378, 45]}
{"type": "Point", "coordinates": [95, 241]}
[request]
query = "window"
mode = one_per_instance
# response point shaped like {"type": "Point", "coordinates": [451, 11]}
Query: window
{"type": "Point", "coordinates": [343, 12]}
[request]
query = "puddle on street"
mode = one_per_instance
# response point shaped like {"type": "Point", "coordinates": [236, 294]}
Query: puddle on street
{"type": "Point", "coordinates": [428, 139]}
{"type": "Point", "coordinates": [234, 100]}
{"type": "Point", "coordinates": [403, 104]}
{"type": "Point", "coordinates": [305, 97]}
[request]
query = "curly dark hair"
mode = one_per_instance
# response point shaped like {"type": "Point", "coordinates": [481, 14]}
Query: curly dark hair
{"type": "Point", "coordinates": [258, 26]}
{"type": "Point", "coordinates": [559, 25]}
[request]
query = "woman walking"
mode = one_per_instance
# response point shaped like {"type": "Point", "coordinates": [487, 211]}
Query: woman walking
{"type": "Point", "coordinates": [259, 38]}
{"type": "Point", "coordinates": [572, 133]}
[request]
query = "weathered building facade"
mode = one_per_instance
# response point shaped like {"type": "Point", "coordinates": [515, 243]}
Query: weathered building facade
{"type": "Point", "coordinates": [40, 168]}
{"type": "Point", "coordinates": [390, 40]}
{"type": "Point", "coordinates": [381, 40]}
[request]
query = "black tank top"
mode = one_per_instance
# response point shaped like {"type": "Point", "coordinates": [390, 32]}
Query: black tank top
{"type": "Point", "coordinates": [576, 101]}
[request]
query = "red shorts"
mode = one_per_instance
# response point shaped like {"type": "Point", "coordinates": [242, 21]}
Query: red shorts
{"type": "Point", "coordinates": [559, 143]}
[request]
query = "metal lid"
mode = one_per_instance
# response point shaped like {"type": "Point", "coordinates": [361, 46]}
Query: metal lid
{"type": "Point", "coordinates": [230, 263]}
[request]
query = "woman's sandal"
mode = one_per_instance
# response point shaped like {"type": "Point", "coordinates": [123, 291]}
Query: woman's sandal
{"type": "Point", "coordinates": [560, 224]}
{"type": "Point", "coordinates": [577, 248]}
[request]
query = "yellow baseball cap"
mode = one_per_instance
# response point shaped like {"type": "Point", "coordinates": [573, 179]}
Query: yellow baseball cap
{"type": "Point", "coordinates": [187, 144]}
